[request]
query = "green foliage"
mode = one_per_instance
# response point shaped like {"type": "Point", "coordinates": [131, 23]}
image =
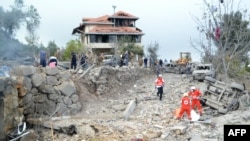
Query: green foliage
{"type": "Point", "coordinates": [18, 15]}
{"type": "Point", "coordinates": [152, 50]}
{"type": "Point", "coordinates": [246, 66]}
{"type": "Point", "coordinates": [52, 48]}
{"type": "Point", "coordinates": [32, 23]}
{"type": "Point", "coordinates": [72, 46]}
{"type": "Point", "coordinates": [235, 33]}
{"type": "Point", "coordinates": [126, 44]}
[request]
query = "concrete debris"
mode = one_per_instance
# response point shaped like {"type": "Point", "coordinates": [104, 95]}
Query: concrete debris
{"type": "Point", "coordinates": [107, 103]}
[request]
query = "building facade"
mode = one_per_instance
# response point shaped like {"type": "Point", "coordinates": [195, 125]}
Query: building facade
{"type": "Point", "coordinates": [103, 33]}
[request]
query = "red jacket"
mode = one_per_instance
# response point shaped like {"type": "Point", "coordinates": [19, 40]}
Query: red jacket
{"type": "Point", "coordinates": [159, 82]}
{"type": "Point", "coordinates": [185, 102]}
{"type": "Point", "coordinates": [195, 94]}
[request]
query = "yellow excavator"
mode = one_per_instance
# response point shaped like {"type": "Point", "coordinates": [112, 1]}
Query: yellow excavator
{"type": "Point", "coordinates": [185, 57]}
{"type": "Point", "coordinates": [181, 63]}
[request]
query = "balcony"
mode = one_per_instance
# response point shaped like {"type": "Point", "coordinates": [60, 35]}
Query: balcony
{"type": "Point", "coordinates": [101, 45]}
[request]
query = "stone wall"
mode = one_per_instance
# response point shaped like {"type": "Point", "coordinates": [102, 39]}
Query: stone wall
{"type": "Point", "coordinates": [10, 111]}
{"type": "Point", "coordinates": [48, 91]}
{"type": "Point", "coordinates": [34, 92]}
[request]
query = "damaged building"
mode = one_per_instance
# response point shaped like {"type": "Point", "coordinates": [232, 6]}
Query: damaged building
{"type": "Point", "coordinates": [103, 33]}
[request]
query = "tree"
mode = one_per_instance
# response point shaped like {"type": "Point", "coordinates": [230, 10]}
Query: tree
{"type": "Point", "coordinates": [52, 48]}
{"type": "Point", "coordinates": [12, 20]}
{"type": "Point", "coordinates": [226, 34]}
{"type": "Point", "coordinates": [32, 23]}
{"type": "Point", "coordinates": [127, 44]}
{"type": "Point", "coordinates": [72, 46]}
{"type": "Point", "coordinates": [152, 50]}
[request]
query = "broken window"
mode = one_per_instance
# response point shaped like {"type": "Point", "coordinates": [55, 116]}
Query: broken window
{"type": "Point", "coordinates": [101, 38]}
{"type": "Point", "coordinates": [92, 38]}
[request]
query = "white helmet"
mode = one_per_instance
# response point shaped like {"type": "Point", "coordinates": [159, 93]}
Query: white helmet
{"type": "Point", "coordinates": [160, 75]}
{"type": "Point", "coordinates": [185, 94]}
{"type": "Point", "coordinates": [192, 88]}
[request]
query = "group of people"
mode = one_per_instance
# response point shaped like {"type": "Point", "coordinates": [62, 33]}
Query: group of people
{"type": "Point", "coordinates": [83, 62]}
{"type": "Point", "coordinates": [52, 61]}
{"type": "Point", "coordinates": [189, 101]}
{"type": "Point", "coordinates": [124, 59]}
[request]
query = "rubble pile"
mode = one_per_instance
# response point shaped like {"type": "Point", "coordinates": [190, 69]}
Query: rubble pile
{"type": "Point", "coordinates": [10, 113]}
{"type": "Point", "coordinates": [108, 103]}
{"type": "Point", "coordinates": [150, 119]}
{"type": "Point", "coordinates": [47, 91]}
{"type": "Point", "coordinates": [50, 92]}
{"type": "Point", "coordinates": [102, 80]}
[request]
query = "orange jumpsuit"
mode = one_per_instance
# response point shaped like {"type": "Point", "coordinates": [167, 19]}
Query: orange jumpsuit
{"type": "Point", "coordinates": [195, 95]}
{"type": "Point", "coordinates": [185, 107]}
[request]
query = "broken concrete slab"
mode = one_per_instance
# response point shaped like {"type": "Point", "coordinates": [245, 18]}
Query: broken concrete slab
{"type": "Point", "coordinates": [179, 129]}
{"type": "Point", "coordinates": [130, 108]}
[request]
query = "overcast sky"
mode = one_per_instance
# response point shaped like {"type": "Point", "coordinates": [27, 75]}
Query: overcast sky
{"type": "Point", "coordinates": [167, 22]}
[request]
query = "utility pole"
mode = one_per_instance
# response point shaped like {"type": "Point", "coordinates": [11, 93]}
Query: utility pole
{"type": "Point", "coordinates": [115, 38]}
{"type": "Point", "coordinates": [114, 13]}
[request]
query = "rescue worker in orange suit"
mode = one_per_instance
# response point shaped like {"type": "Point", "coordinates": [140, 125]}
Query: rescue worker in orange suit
{"type": "Point", "coordinates": [195, 97]}
{"type": "Point", "coordinates": [159, 84]}
{"type": "Point", "coordinates": [185, 107]}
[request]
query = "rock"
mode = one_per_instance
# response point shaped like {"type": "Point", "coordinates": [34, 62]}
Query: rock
{"type": "Point", "coordinates": [37, 79]}
{"type": "Point", "coordinates": [75, 98]}
{"type": "Point", "coordinates": [2, 84]}
{"type": "Point", "coordinates": [179, 129]}
{"type": "Point", "coordinates": [27, 70]}
{"type": "Point", "coordinates": [119, 107]}
{"type": "Point", "coordinates": [130, 108]}
{"type": "Point", "coordinates": [46, 89]}
{"type": "Point", "coordinates": [87, 130]}
{"type": "Point", "coordinates": [152, 134]}
{"type": "Point", "coordinates": [52, 71]}
{"type": "Point", "coordinates": [52, 80]}
{"type": "Point", "coordinates": [67, 88]}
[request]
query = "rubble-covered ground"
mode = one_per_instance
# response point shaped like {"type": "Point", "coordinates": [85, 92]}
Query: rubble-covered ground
{"type": "Point", "coordinates": [106, 94]}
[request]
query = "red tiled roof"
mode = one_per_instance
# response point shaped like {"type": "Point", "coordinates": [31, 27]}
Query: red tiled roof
{"type": "Point", "coordinates": [103, 19]}
{"type": "Point", "coordinates": [108, 30]}
{"type": "Point", "coordinates": [122, 14]}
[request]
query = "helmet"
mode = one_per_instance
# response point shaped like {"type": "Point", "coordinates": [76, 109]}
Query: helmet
{"type": "Point", "coordinates": [185, 94]}
{"type": "Point", "coordinates": [159, 75]}
{"type": "Point", "coordinates": [192, 88]}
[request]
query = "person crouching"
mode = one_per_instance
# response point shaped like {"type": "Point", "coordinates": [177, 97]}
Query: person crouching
{"type": "Point", "coordinates": [185, 107]}
{"type": "Point", "coordinates": [52, 62]}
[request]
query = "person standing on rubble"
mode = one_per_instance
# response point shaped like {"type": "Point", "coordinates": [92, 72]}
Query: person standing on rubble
{"type": "Point", "coordinates": [73, 60]}
{"type": "Point", "coordinates": [160, 62]}
{"type": "Point", "coordinates": [195, 95]}
{"type": "Point", "coordinates": [83, 61]}
{"type": "Point", "coordinates": [159, 84]}
{"type": "Point", "coordinates": [145, 60]}
{"type": "Point", "coordinates": [43, 57]}
{"type": "Point", "coordinates": [126, 58]}
{"type": "Point", "coordinates": [52, 61]}
{"type": "Point", "coordinates": [185, 107]}
{"type": "Point", "coordinates": [157, 68]}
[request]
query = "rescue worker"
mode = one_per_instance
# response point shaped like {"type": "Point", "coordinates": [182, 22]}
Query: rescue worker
{"type": "Point", "coordinates": [83, 61]}
{"type": "Point", "coordinates": [73, 60]}
{"type": "Point", "coordinates": [185, 107]}
{"type": "Point", "coordinates": [145, 60]}
{"type": "Point", "coordinates": [51, 60]}
{"type": "Point", "coordinates": [159, 84]}
{"type": "Point", "coordinates": [195, 95]}
{"type": "Point", "coordinates": [43, 57]}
